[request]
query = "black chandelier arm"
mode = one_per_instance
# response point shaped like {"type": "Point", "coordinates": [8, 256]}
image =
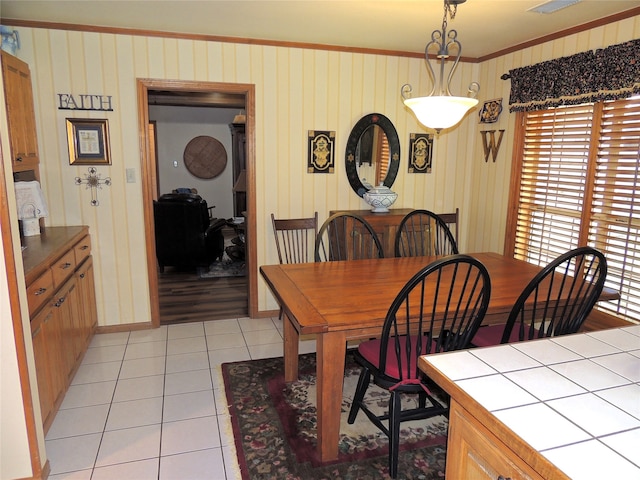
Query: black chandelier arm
{"type": "Point", "coordinates": [442, 110]}
{"type": "Point", "coordinates": [429, 67]}
{"type": "Point", "coordinates": [438, 40]}
{"type": "Point", "coordinates": [453, 40]}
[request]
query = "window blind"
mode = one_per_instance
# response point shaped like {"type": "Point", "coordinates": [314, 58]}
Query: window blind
{"type": "Point", "coordinates": [614, 226]}
{"type": "Point", "coordinates": [579, 183]}
{"type": "Point", "coordinates": [384, 154]}
{"type": "Point", "coordinates": [552, 182]}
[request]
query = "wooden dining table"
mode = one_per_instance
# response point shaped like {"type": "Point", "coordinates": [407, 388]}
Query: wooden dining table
{"type": "Point", "coordinates": [348, 300]}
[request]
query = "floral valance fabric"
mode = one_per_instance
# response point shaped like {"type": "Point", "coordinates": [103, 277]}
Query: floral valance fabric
{"type": "Point", "coordinates": [604, 74]}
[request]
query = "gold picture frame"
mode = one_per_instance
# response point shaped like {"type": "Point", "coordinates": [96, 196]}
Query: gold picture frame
{"type": "Point", "coordinates": [420, 152]}
{"type": "Point", "coordinates": [88, 141]}
{"type": "Point", "coordinates": [320, 151]}
{"type": "Point", "coordinates": [490, 112]}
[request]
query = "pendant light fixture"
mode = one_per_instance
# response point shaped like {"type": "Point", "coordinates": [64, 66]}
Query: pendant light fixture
{"type": "Point", "coordinates": [441, 110]}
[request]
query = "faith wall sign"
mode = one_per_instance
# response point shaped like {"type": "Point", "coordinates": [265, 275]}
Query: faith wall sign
{"type": "Point", "coordinates": [100, 103]}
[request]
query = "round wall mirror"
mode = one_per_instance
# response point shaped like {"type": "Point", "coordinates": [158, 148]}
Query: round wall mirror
{"type": "Point", "coordinates": [373, 153]}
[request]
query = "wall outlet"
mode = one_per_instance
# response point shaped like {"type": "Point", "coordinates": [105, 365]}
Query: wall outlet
{"type": "Point", "coordinates": [131, 175]}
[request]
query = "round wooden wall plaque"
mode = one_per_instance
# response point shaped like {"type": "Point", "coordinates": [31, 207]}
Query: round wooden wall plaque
{"type": "Point", "coordinates": [205, 157]}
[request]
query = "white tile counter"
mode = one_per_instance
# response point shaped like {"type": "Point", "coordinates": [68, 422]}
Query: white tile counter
{"type": "Point", "coordinates": [575, 400]}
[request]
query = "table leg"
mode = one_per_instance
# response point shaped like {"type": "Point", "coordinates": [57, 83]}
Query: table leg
{"type": "Point", "coordinates": [291, 341]}
{"type": "Point", "coordinates": [330, 359]}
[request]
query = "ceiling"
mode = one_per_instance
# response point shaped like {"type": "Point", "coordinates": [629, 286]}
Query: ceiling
{"type": "Point", "coordinates": [484, 27]}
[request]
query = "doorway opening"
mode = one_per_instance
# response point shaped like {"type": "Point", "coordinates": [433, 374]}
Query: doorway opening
{"type": "Point", "coordinates": [202, 95]}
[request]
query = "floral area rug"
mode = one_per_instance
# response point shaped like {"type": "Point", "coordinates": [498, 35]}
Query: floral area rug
{"type": "Point", "coordinates": [275, 428]}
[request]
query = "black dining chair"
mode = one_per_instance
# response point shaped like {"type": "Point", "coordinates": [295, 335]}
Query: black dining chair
{"type": "Point", "coordinates": [556, 302]}
{"type": "Point", "coordinates": [438, 310]}
{"type": "Point", "coordinates": [347, 236]}
{"type": "Point", "coordinates": [422, 233]}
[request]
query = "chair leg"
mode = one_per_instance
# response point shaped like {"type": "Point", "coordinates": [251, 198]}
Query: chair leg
{"type": "Point", "coordinates": [394, 432]}
{"type": "Point", "coordinates": [361, 389]}
{"type": "Point", "coordinates": [422, 400]}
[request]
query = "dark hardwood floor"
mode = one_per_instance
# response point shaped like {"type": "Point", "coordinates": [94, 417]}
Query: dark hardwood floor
{"type": "Point", "coordinates": [184, 297]}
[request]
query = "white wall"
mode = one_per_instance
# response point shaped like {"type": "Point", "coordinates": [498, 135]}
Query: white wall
{"type": "Point", "coordinates": [14, 446]}
{"type": "Point", "coordinates": [176, 126]}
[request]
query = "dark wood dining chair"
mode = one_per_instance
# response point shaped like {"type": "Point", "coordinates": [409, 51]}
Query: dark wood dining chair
{"type": "Point", "coordinates": [452, 220]}
{"type": "Point", "coordinates": [438, 310]}
{"type": "Point", "coordinates": [295, 239]}
{"type": "Point", "coordinates": [557, 301]}
{"type": "Point", "coordinates": [347, 236]}
{"type": "Point", "coordinates": [422, 233]}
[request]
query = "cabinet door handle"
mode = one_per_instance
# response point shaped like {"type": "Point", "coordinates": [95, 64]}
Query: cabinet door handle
{"type": "Point", "coordinates": [18, 159]}
{"type": "Point", "coordinates": [82, 275]}
{"type": "Point", "coordinates": [500, 477]}
{"type": "Point", "coordinates": [40, 291]}
{"type": "Point", "coordinates": [59, 302]}
{"type": "Point", "coordinates": [84, 247]}
{"type": "Point", "coordinates": [65, 265]}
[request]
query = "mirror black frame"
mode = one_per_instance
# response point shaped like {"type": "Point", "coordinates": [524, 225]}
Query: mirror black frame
{"type": "Point", "coordinates": [352, 144]}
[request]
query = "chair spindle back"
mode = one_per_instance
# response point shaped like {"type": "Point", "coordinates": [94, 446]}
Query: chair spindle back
{"type": "Point", "coordinates": [423, 233]}
{"type": "Point", "coordinates": [347, 236]}
{"type": "Point", "coordinates": [295, 238]}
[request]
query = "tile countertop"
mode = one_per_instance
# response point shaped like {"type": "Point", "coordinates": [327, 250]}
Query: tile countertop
{"type": "Point", "coordinates": [571, 398]}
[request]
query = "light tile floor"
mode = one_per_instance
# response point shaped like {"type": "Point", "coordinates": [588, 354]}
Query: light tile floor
{"type": "Point", "coordinates": [150, 404]}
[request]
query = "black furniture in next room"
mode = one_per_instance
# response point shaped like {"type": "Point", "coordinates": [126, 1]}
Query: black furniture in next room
{"type": "Point", "coordinates": [185, 235]}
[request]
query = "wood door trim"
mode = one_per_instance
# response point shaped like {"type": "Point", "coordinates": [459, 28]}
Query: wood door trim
{"type": "Point", "coordinates": [148, 169]}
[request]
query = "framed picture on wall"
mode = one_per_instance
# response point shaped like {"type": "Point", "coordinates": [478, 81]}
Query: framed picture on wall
{"type": "Point", "coordinates": [320, 155]}
{"type": "Point", "coordinates": [420, 152]}
{"type": "Point", "coordinates": [88, 141]}
{"type": "Point", "coordinates": [491, 110]}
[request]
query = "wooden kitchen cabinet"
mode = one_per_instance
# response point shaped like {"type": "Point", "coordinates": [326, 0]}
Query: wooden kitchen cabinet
{"type": "Point", "coordinates": [21, 120]}
{"type": "Point", "coordinates": [62, 306]}
{"type": "Point", "coordinates": [476, 454]}
{"type": "Point", "coordinates": [67, 301]}
{"type": "Point", "coordinates": [384, 224]}
{"type": "Point", "coordinates": [87, 296]}
{"type": "Point", "coordinates": [479, 445]}
{"type": "Point", "coordinates": [41, 340]}
{"type": "Point", "coordinates": [46, 331]}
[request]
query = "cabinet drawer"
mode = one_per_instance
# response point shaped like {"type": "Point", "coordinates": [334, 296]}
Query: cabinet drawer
{"type": "Point", "coordinates": [39, 291]}
{"type": "Point", "coordinates": [82, 249]}
{"type": "Point", "coordinates": [63, 268]}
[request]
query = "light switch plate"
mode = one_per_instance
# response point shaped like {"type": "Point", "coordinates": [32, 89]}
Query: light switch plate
{"type": "Point", "coordinates": [131, 175]}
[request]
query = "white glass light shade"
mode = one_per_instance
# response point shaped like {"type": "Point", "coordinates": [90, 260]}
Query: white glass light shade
{"type": "Point", "coordinates": [440, 112]}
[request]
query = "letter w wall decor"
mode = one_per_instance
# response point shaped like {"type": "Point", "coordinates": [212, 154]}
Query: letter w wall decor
{"type": "Point", "coordinates": [489, 144]}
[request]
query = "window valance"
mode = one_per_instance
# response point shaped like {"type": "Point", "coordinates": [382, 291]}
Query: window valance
{"type": "Point", "coordinates": [604, 74]}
